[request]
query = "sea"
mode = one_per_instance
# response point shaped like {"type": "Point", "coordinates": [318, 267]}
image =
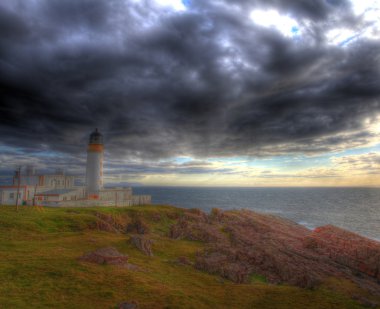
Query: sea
{"type": "Point", "coordinates": [354, 209]}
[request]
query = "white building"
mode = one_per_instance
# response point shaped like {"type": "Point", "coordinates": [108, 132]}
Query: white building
{"type": "Point", "coordinates": [60, 190]}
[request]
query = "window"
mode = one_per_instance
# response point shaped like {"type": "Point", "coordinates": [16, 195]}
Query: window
{"type": "Point", "coordinates": [11, 195]}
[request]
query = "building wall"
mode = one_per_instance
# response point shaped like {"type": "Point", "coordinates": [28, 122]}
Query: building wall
{"type": "Point", "coordinates": [8, 196]}
{"type": "Point", "coordinates": [83, 203]}
{"type": "Point", "coordinates": [53, 181]}
{"type": "Point", "coordinates": [116, 194]}
{"type": "Point", "coordinates": [58, 181]}
{"type": "Point", "coordinates": [73, 195]}
{"type": "Point", "coordinates": [141, 200]}
{"type": "Point", "coordinates": [76, 198]}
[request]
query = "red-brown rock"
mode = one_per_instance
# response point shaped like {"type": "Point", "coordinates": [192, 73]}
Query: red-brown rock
{"type": "Point", "coordinates": [349, 249]}
{"type": "Point", "coordinates": [107, 255]}
{"type": "Point", "coordinates": [110, 223]}
{"type": "Point", "coordinates": [240, 243]}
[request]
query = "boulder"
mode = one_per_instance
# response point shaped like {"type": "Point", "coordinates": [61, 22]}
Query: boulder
{"type": "Point", "coordinates": [128, 305]}
{"type": "Point", "coordinates": [107, 255]}
{"type": "Point", "coordinates": [142, 243]}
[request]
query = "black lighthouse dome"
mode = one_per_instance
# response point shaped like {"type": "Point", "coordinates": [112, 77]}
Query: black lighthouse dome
{"type": "Point", "coordinates": [96, 137]}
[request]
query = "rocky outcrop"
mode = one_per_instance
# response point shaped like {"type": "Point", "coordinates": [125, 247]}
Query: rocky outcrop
{"type": "Point", "coordinates": [138, 226]}
{"type": "Point", "coordinates": [365, 302]}
{"type": "Point", "coordinates": [360, 254]}
{"type": "Point", "coordinates": [107, 255]}
{"type": "Point", "coordinates": [194, 226]}
{"type": "Point", "coordinates": [220, 262]}
{"type": "Point", "coordinates": [110, 223]}
{"type": "Point", "coordinates": [243, 243]}
{"type": "Point", "coordinates": [143, 243]}
{"type": "Point", "coordinates": [128, 305]}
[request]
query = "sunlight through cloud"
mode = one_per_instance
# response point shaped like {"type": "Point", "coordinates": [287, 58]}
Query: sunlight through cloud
{"type": "Point", "coordinates": [177, 5]}
{"type": "Point", "coordinates": [273, 19]}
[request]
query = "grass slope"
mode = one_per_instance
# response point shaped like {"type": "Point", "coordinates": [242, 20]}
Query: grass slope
{"type": "Point", "coordinates": [39, 267]}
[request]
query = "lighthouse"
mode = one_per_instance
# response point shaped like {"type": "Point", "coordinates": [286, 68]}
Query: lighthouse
{"type": "Point", "coordinates": [94, 167]}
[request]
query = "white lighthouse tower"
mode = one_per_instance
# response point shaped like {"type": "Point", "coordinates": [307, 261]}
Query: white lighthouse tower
{"type": "Point", "coordinates": [94, 167]}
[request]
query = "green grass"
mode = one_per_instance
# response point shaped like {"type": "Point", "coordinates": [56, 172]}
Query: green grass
{"type": "Point", "coordinates": [257, 278]}
{"type": "Point", "coordinates": [39, 267]}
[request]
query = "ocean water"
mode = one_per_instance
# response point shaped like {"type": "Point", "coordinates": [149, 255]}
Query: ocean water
{"type": "Point", "coordinates": [355, 209]}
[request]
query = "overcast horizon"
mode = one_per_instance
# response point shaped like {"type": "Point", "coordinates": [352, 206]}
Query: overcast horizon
{"type": "Point", "coordinates": [194, 93]}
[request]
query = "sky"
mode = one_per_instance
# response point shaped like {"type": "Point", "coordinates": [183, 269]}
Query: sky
{"type": "Point", "coordinates": [194, 93]}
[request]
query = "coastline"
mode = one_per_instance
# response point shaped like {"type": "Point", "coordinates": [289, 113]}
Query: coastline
{"type": "Point", "coordinates": [355, 209]}
{"type": "Point", "coordinates": [172, 256]}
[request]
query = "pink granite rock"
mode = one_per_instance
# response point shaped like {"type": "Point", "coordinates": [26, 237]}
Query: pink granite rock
{"type": "Point", "coordinates": [241, 243]}
{"type": "Point", "coordinates": [349, 249]}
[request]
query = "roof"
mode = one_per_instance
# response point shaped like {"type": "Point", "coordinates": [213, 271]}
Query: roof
{"type": "Point", "coordinates": [96, 137]}
{"type": "Point", "coordinates": [57, 191]}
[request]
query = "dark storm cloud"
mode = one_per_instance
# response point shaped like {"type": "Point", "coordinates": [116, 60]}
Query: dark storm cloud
{"type": "Point", "coordinates": [203, 82]}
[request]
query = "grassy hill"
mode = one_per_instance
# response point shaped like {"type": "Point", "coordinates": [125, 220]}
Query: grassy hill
{"type": "Point", "coordinates": [39, 267]}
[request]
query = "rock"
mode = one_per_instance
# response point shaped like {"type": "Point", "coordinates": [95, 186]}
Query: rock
{"type": "Point", "coordinates": [128, 305]}
{"type": "Point", "coordinates": [195, 230]}
{"type": "Point", "coordinates": [183, 260]}
{"type": "Point", "coordinates": [236, 272]}
{"type": "Point", "coordinates": [138, 226]}
{"type": "Point", "coordinates": [130, 266]}
{"type": "Point", "coordinates": [360, 254]}
{"type": "Point", "coordinates": [240, 243]}
{"type": "Point", "coordinates": [142, 243]}
{"type": "Point", "coordinates": [156, 217]}
{"type": "Point", "coordinates": [110, 223]}
{"type": "Point", "coordinates": [365, 302]}
{"type": "Point", "coordinates": [172, 215]}
{"type": "Point", "coordinates": [107, 255]}
{"type": "Point", "coordinates": [220, 263]}
{"type": "Point", "coordinates": [104, 226]}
